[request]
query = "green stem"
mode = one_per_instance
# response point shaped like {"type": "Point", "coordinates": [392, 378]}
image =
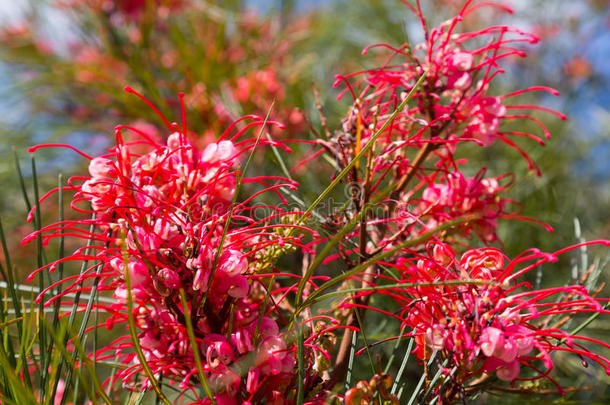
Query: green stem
{"type": "Point", "coordinates": [132, 331]}
{"type": "Point", "coordinates": [195, 347]}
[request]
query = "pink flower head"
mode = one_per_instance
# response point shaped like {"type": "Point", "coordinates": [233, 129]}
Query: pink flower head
{"type": "Point", "coordinates": [461, 61]}
{"type": "Point", "coordinates": [101, 167]}
{"type": "Point", "coordinates": [483, 321]}
{"type": "Point", "coordinates": [233, 263]}
{"type": "Point", "coordinates": [491, 341]}
{"type": "Point", "coordinates": [160, 217]}
{"type": "Point", "coordinates": [457, 196]}
{"type": "Point", "coordinates": [454, 101]}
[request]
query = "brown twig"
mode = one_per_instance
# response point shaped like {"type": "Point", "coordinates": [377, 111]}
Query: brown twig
{"type": "Point", "coordinates": [322, 116]}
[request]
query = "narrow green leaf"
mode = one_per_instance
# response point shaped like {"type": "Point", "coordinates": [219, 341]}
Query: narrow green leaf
{"type": "Point", "coordinates": [60, 253]}
{"type": "Point", "coordinates": [280, 161]}
{"type": "Point", "coordinates": [22, 182]}
{"type": "Point", "coordinates": [140, 398]}
{"type": "Point", "coordinates": [195, 347]}
{"type": "Point", "coordinates": [42, 335]}
{"type": "Point", "coordinates": [22, 393]}
{"type": "Point", "coordinates": [71, 319]}
{"type": "Point", "coordinates": [440, 389]}
{"type": "Point", "coordinates": [432, 382]}
{"type": "Point", "coordinates": [300, 363]}
{"type": "Point", "coordinates": [403, 364]}
{"type": "Point", "coordinates": [421, 382]}
{"type": "Point", "coordinates": [132, 331]}
{"type": "Point", "coordinates": [10, 285]}
{"type": "Point", "coordinates": [64, 352]}
{"type": "Point", "coordinates": [90, 366]}
{"type": "Point", "coordinates": [54, 362]}
{"type": "Point", "coordinates": [388, 365]}
{"type": "Point", "coordinates": [365, 340]}
{"type": "Point", "coordinates": [87, 313]}
{"type": "Point", "coordinates": [60, 275]}
{"type": "Point", "coordinates": [11, 322]}
{"type": "Point", "coordinates": [350, 364]}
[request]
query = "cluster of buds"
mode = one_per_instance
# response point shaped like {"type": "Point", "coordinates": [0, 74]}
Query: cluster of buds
{"type": "Point", "coordinates": [365, 392]}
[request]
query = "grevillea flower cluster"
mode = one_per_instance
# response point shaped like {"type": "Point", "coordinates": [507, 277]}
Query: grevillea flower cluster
{"type": "Point", "coordinates": [477, 314]}
{"type": "Point", "coordinates": [454, 102]}
{"type": "Point", "coordinates": [454, 196]}
{"type": "Point", "coordinates": [412, 170]}
{"type": "Point", "coordinates": [166, 241]}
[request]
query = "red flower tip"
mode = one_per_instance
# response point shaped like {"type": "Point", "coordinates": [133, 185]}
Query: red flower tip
{"type": "Point", "coordinates": [31, 236]}
{"type": "Point", "coordinates": [338, 80]}
{"type": "Point", "coordinates": [29, 219]}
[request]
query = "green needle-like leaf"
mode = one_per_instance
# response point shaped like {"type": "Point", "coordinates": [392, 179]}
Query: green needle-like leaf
{"type": "Point", "coordinates": [195, 347]}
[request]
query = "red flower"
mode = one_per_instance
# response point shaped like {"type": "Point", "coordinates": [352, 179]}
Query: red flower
{"type": "Point", "coordinates": [474, 313]}
{"type": "Point", "coordinates": [453, 103]}
{"type": "Point", "coordinates": [159, 219]}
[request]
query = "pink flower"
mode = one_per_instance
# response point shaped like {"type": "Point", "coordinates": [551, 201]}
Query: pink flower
{"type": "Point", "coordinates": [454, 99]}
{"type": "Point", "coordinates": [491, 341]}
{"type": "Point", "coordinates": [233, 263]}
{"type": "Point", "coordinates": [221, 152]}
{"type": "Point", "coordinates": [458, 196]}
{"type": "Point", "coordinates": [461, 61]}
{"type": "Point", "coordinates": [493, 326]}
{"type": "Point", "coordinates": [101, 167]}
{"type": "Point", "coordinates": [160, 219]}
{"type": "Point", "coordinates": [505, 371]}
